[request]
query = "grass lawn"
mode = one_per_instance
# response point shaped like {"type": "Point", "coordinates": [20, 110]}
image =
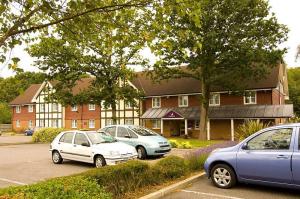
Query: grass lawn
{"type": "Point", "coordinates": [195, 143]}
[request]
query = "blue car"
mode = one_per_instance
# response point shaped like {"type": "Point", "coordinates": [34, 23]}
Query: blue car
{"type": "Point", "coordinates": [268, 157]}
{"type": "Point", "coordinates": [146, 142]}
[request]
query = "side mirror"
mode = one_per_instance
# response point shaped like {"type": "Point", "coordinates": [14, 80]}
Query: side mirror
{"type": "Point", "coordinates": [127, 136]}
{"type": "Point", "coordinates": [245, 146]}
{"type": "Point", "coordinates": [85, 144]}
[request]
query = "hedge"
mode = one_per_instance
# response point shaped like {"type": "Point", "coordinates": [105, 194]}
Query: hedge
{"type": "Point", "coordinates": [46, 135]}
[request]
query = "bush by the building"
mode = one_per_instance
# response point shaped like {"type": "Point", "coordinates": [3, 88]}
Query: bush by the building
{"type": "Point", "coordinates": [46, 135]}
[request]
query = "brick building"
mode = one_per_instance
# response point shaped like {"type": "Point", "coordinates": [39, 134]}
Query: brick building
{"type": "Point", "coordinates": [170, 107]}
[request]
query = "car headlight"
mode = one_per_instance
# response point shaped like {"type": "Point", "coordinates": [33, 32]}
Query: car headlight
{"type": "Point", "coordinates": [114, 153]}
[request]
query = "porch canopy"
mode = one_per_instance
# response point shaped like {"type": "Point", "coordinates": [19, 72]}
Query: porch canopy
{"type": "Point", "coordinates": [222, 112]}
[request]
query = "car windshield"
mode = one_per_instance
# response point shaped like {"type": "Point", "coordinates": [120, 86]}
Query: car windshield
{"type": "Point", "coordinates": [142, 131]}
{"type": "Point", "coordinates": [101, 137]}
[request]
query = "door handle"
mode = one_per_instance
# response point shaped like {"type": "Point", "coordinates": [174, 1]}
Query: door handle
{"type": "Point", "coordinates": [74, 145]}
{"type": "Point", "coordinates": [282, 157]}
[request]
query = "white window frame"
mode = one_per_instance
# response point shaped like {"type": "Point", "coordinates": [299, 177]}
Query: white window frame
{"type": "Point", "coordinates": [213, 101]}
{"type": "Point", "coordinates": [91, 123]}
{"type": "Point", "coordinates": [92, 107]}
{"type": "Point", "coordinates": [250, 97]}
{"type": "Point", "coordinates": [55, 123]}
{"type": "Point", "coordinates": [109, 122]}
{"type": "Point", "coordinates": [182, 99]}
{"type": "Point", "coordinates": [30, 108]}
{"type": "Point", "coordinates": [41, 121]}
{"type": "Point", "coordinates": [128, 105]}
{"type": "Point", "coordinates": [129, 123]}
{"type": "Point", "coordinates": [74, 124]}
{"type": "Point", "coordinates": [18, 109]}
{"type": "Point", "coordinates": [156, 102]}
{"type": "Point", "coordinates": [42, 110]}
{"type": "Point", "coordinates": [74, 108]}
{"type": "Point", "coordinates": [197, 126]}
{"type": "Point", "coordinates": [30, 124]}
{"type": "Point", "coordinates": [18, 124]}
{"type": "Point", "coordinates": [54, 105]}
{"type": "Point", "coordinates": [156, 124]}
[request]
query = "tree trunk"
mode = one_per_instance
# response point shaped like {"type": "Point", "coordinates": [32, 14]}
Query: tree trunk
{"type": "Point", "coordinates": [204, 105]}
{"type": "Point", "coordinates": [114, 113]}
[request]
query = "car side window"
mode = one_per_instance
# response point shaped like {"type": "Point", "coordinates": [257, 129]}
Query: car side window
{"type": "Point", "coordinates": [80, 138]}
{"type": "Point", "coordinates": [122, 132]}
{"type": "Point", "coordinates": [111, 131]}
{"type": "Point", "coordinates": [132, 134]}
{"type": "Point", "coordinates": [67, 138]}
{"type": "Point", "coordinates": [299, 140]}
{"type": "Point", "coordinates": [277, 139]}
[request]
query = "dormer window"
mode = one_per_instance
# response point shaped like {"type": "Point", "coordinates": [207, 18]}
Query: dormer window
{"type": "Point", "coordinates": [92, 107]}
{"type": "Point", "coordinates": [214, 99]}
{"type": "Point", "coordinates": [74, 108]}
{"type": "Point", "coordinates": [18, 109]}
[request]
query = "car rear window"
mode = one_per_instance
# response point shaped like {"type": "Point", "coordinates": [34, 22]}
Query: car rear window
{"type": "Point", "coordinates": [67, 137]}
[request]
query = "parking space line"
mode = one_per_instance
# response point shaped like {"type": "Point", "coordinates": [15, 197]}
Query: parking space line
{"type": "Point", "coordinates": [210, 194]}
{"type": "Point", "coordinates": [12, 181]}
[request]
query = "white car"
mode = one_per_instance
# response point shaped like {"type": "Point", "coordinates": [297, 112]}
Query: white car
{"type": "Point", "coordinates": [94, 147]}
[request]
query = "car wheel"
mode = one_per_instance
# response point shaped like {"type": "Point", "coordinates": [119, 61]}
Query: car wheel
{"type": "Point", "coordinates": [141, 153]}
{"type": "Point", "coordinates": [223, 176]}
{"type": "Point", "coordinates": [56, 157]}
{"type": "Point", "coordinates": [100, 161]}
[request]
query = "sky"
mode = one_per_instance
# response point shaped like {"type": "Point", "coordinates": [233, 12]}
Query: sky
{"type": "Point", "coordinates": [286, 11]}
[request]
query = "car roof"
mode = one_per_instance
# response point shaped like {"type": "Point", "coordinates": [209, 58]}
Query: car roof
{"type": "Point", "coordinates": [286, 125]}
{"type": "Point", "coordinates": [78, 131]}
{"type": "Point", "coordinates": [122, 125]}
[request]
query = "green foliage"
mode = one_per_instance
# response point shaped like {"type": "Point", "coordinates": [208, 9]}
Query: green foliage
{"type": "Point", "coordinates": [248, 128]}
{"type": "Point", "coordinates": [174, 143]}
{"type": "Point", "coordinates": [190, 143]}
{"type": "Point", "coordinates": [171, 167]}
{"type": "Point", "coordinates": [58, 188]}
{"type": "Point", "coordinates": [196, 162]}
{"type": "Point", "coordinates": [294, 88]}
{"type": "Point", "coordinates": [46, 135]}
{"type": "Point", "coordinates": [294, 120]}
{"type": "Point", "coordinates": [5, 113]}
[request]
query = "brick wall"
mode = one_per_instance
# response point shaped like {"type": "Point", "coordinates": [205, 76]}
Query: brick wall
{"type": "Point", "coordinates": [24, 116]}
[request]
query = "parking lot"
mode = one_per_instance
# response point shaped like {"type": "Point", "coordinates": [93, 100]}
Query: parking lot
{"type": "Point", "coordinates": [29, 163]}
{"type": "Point", "coordinates": [203, 189]}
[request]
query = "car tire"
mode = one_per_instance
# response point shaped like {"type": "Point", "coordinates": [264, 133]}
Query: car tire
{"type": "Point", "coordinates": [142, 154]}
{"type": "Point", "coordinates": [99, 161]}
{"type": "Point", "coordinates": [56, 157]}
{"type": "Point", "coordinates": [223, 176]}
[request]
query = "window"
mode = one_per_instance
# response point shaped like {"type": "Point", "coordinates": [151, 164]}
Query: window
{"type": "Point", "coordinates": [18, 109]}
{"type": "Point", "coordinates": [132, 134]}
{"type": "Point", "coordinates": [122, 132]}
{"type": "Point", "coordinates": [30, 124]}
{"type": "Point", "coordinates": [278, 139]}
{"type": "Point", "coordinates": [74, 124]}
{"type": "Point", "coordinates": [128, 105]}
{"type": "Point", "coordinates": [55, 123]}
{"type": "Point", "coordinates": [42, 123]}
{"type": "Point", "coordinates": [80, 139]}
{"type": "Point", "coordinates": [156, 102]}
{"type": "Point", "coordinates": [197, 124]}
{"type": "Point", "coordinates": [67, 138]}
{"type": "Point", "coordinates": [250, 97]}
{"type": "Point", "coordinates": [18, 123]}
{"type": "Point", "coordinates": [214, 99]}
{"type": "Point", "coordinates": [129, 121]}
{"type": "Point", "coordinates": [111, 131]}
{"type": "Point", "coordinates": [30, 108]}
{"type": "Point", "coordinates": [42, 107]}
{"type": "Point", "coordinates": [109, 122]}
{"type": "Point", "coordinates": [74, 108]}
{"type": "Point", "coordinates": [156, 124]}
{"type": "Point", "coordinates": [91, 124]}
{"type": "Point", "coordinates": [92, 107]}
{"type": "Point", "coordinates": [183, 101]}
{"type": "Point", "coordinates": [54, 107]}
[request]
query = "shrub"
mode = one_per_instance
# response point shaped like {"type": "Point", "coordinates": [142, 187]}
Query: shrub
{"type": "Point", "coordinates": [294, 119]}
{"type": "Point", "coordinates": [121, 178]}
{"type": "Point", "coordinates": [247, 129]}
{"type": "Point", "coordinates": [170, 167]}
{"type": "Point", "coordinates": [196, 162]}
{"type": "Point", "coordinates": [174, 143]}
{"type": "Point", "coordinates": [46, 135]}
{"type": "Point", "coordinates": [185, 145]}
{"type": "Point", "coordinates": [58, 188]}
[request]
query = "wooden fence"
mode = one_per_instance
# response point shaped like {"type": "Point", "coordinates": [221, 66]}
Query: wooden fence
{"type": "Point", "coordinates": [5, 127]}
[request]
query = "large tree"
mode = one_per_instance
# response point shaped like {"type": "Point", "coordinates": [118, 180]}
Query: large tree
{"type": "Point", "coordinates": [23, 20]}
{"type": "Point", "coordinates": [222, 43]}
{"type": "Point", "coordinates": [294, 88]}
{"type": "Point", "coordinates": [102, 49]}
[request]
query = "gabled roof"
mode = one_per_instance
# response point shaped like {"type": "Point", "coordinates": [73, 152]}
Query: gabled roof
{"type": "Point", "coordinates": [190, 85]}
{"type": "Point", "coordinates": [27, 95]}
